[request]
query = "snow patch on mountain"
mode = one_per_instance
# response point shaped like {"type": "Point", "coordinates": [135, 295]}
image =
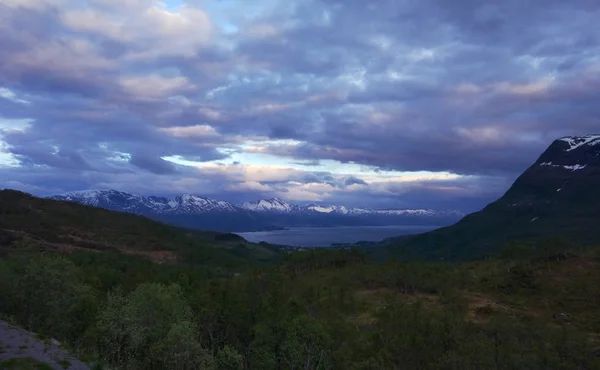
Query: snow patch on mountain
{"type": "Point", "coordinates": [575, 167]}
{"type": "Point", "coordinates": [329, 209]}
{"type": "Point", "coordinates": [193, 204]}
{"type": "Point", "coordinates": [269, 205]}
{"type": "Point", "coordinates": [187, 203]}
{"type": "Point", "coordinates": [135, 203]}
{"type": "Point", "coordinates": [578, 141]}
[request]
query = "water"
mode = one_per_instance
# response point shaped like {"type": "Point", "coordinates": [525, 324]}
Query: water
{"type": "Point", "coordinates": [325, 236]}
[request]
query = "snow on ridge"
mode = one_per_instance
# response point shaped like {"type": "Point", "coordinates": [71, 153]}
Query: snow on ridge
{"type": "Point", "coordinates": [95, 193]}
{"type": "Point", "coordinates": [331, 209]}
{"type": "Point", "coordinates": [197, 204]}
{"type": "Point", "coordinates": [420, 212]}
{"type": "Point", "coordinates": [384, 212]}
{"type": "Point", "coordinates": [184, 203]}
{"type": "Point", "coordinates": [578, 141]}
{"type": "Point", "coordinates": [265, 205]}
{"type": "Point", "coordinates": [84, 194]}
{"type": "Point", "coordinates": [187, 203]}
{"type": "Point", "coordinates": [321, 209]}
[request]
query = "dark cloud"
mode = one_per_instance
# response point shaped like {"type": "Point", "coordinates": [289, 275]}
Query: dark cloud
{"type": "Point", "coordinates": [154, 165]}
{"type": "Point", "coordinates": [475, 88]}
{"type": "Point", "coordinates": [354, 181]}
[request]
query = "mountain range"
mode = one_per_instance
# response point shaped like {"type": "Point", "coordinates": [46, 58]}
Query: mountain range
{"type": "Point", "coordinates": [557, 197]}
{"type": "Point", "coordinates": [198, 212]}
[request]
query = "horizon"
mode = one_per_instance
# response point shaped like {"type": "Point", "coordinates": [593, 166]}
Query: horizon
{"type": "Point", "coordinates": [424, 105]}
{"type": "Point", "coordinates": [299, 204]}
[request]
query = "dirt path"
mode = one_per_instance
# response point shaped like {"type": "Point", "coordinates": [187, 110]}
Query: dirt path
{"type": "Point", "coordinates": [18, 343]}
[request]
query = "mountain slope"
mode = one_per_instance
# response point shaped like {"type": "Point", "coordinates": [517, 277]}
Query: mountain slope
{"type": "Point", "coordinates": [68, 226]}
{"type": "Point", "coordinates": [558, 196]}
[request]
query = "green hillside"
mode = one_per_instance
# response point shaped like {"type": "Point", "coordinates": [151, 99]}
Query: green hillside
{"type": "Point", "coordinates": [70, 227]}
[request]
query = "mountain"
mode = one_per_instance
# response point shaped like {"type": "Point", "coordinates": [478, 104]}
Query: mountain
{"type": "Point", "coordinates": [133, 203]}
{"type": "Point", "coordinates": [557, 197]}
{"type": "Point", "coordinates": [197, 212]}
{"type": "Point", "coordinates": [275, 205]}
{"type": "Point", "coordinates": [70, 227]}
{"type": "Point", "coordinates": [184, 210]}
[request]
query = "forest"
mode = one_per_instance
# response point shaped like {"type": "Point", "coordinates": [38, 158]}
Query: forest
{"type": "Point", "coordinates": [532, 307]}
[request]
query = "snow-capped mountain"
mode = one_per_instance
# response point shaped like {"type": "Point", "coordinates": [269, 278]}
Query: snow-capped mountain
{"type": "Point", "coordinates": [121, 201]}
{"type": "Point", "coordinates": [270, 205]}
{"type": "Point", "coordinates": [277, 205]}
{"type": "Point", "coordinates": [205, 213]}
{"type": "Point", "coordinates": [575, 142]}
{"type": "Point", "coordinates": [194, 204]}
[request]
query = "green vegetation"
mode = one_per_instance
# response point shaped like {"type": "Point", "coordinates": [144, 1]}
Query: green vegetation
{"type": "Point", "coordinates": [534, 306]}
{"type": "Point", "coordinates": [23, 364]}
{"type": "Point", "coordinates": [315, 310]}
{"type": "Point", "coordinates": [52, 225]}
{"type": "Point", "coordinates": [532, 209]}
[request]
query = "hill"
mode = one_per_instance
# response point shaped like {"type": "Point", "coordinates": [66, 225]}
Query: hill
{"type": "Point", "coordinates": [557, 197]}
{"type": "Point", "coordinates": [67, 227]}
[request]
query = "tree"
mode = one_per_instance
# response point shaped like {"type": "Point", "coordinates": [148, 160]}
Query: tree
{"type": "Point", "coordinates": [53, 297]}
{"type": "Point", "coordinates": [306, 344]}
{"type": "Point", "coordinates": [180, 350]}
{"type": "Point", "coordinates": [152, 327]}
{"type": "Point", "coordinates": [229, 359]}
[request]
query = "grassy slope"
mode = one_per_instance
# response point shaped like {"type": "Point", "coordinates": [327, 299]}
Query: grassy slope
{"type": "Point", "coordinates": [68, 227]}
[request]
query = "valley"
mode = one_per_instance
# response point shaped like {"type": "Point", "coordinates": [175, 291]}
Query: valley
{"type": "Point", "coordinates": [299, 185]}
{"type": "Point", "coordinates": [511, 286]}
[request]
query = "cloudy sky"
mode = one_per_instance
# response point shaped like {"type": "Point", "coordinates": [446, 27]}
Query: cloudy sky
{"type": "Point", "coordinates": [387, 103]}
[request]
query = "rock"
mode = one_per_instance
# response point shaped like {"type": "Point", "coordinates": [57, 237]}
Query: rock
{"type": "Point", "coordinates": [54, 342]}
{"type": "Point", "coordinates": [562, 316]}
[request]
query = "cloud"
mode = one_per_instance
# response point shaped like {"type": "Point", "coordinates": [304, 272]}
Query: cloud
{"type": "Point", "coordinates": [354, 181]}
{"type": "Point", "coordinates": [405, 103]}
{"type": "Point", "coordinates": [154, 165]}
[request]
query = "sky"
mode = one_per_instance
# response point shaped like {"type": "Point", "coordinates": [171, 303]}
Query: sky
{"type": "Point", "coordinates": [384, 104]}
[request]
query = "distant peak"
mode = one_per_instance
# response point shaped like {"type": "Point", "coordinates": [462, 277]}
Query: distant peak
{"type": "Point", "coordinates": [270, 204]}
{"type": "Point", "coordinates": [90, 193]}
{"type": "Point", "coordinates": [188, 197]}
{"type": "Point", "coordinates": [275, 200]}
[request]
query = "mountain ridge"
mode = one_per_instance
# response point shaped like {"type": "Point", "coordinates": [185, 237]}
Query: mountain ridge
{"type": "Point", "coordinates": [91, 197]}
{"type": "Point", "coordinates": [195, 211]}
